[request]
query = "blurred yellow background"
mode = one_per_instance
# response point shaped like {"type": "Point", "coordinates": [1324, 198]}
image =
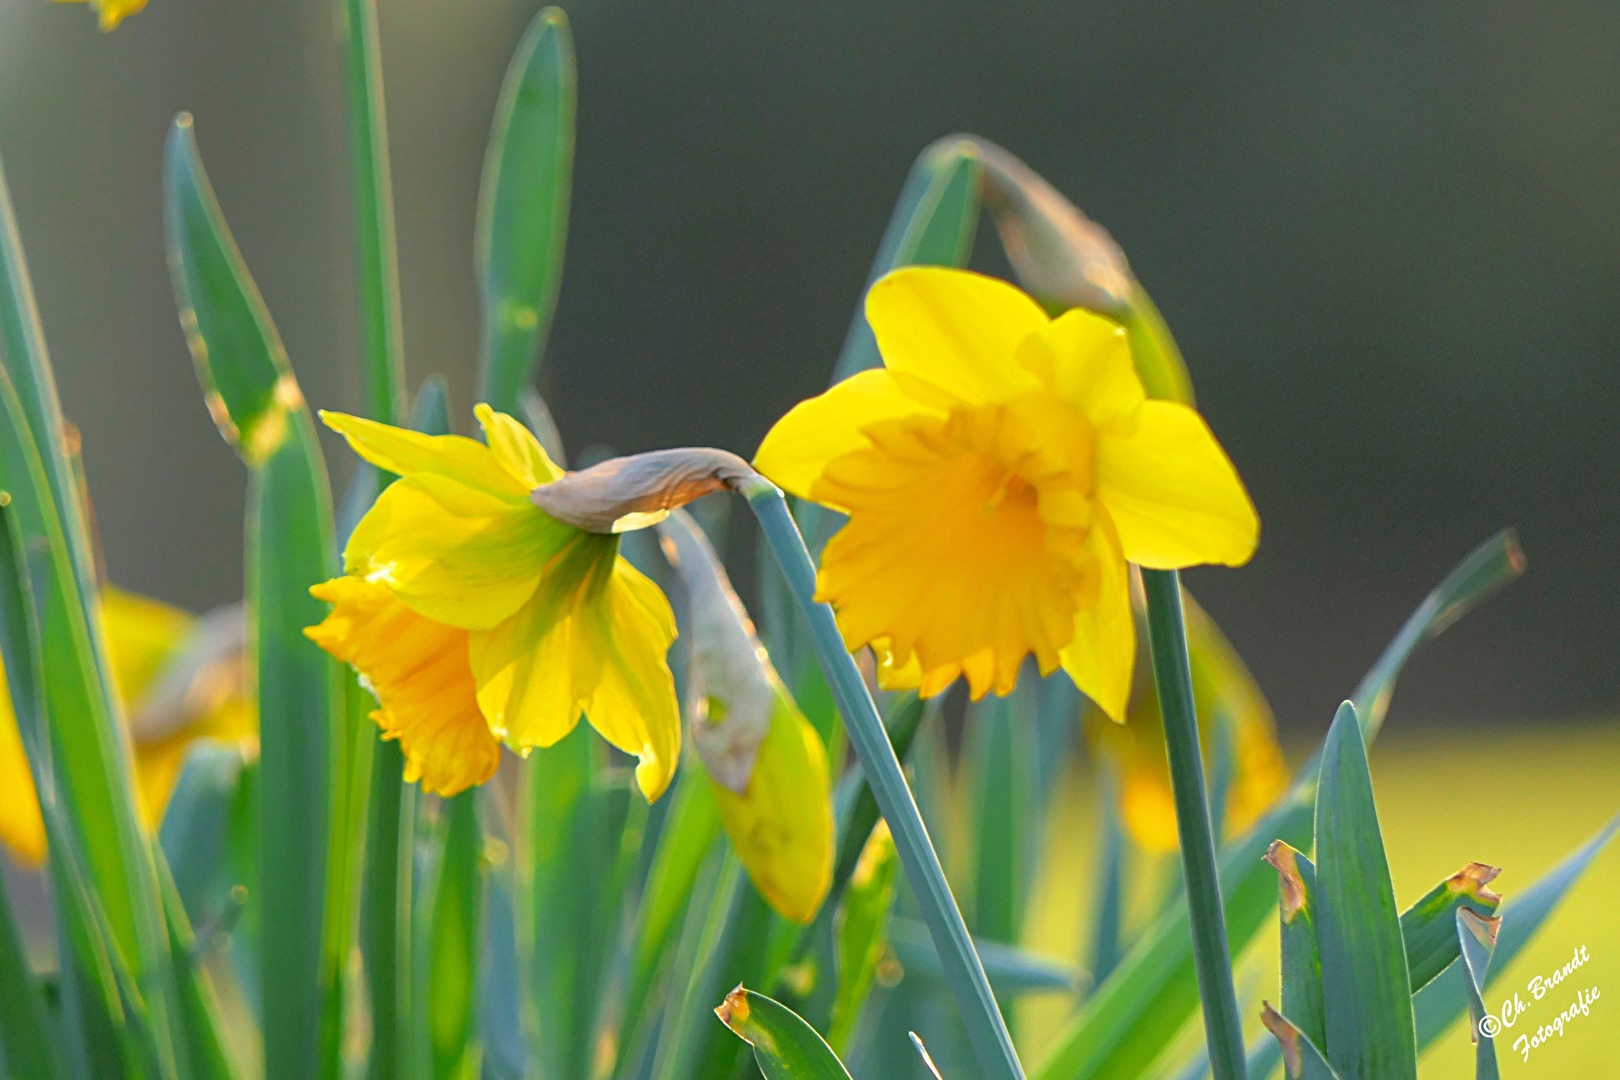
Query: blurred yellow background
{"type": "Point", "coordinates": [1521, 799]}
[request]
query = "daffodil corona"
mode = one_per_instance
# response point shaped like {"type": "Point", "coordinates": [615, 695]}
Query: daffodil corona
{"type": "Point", "coordinates": [999, 472]}
{"type": "Point", "coordinates": [479, 619]}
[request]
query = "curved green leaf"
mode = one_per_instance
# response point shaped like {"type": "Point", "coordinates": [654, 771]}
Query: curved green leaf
{"type": "Point", "coordinates": [255, 400]}
{"type": "Point", "coordinates": [1120, 1031]}
{"type": "Point", "coordinates": [523, 208]}
{"type": "Point", "coordinates": [785, 1047]}
{"type": "Point", "coordinates": [1366, 990]}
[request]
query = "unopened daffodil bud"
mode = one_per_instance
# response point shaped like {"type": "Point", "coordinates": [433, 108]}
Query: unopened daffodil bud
{"type": "Point", "coordinates": [767, 763]}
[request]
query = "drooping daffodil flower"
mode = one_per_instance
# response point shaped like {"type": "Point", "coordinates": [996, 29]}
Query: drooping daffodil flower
{"type": "Point", "coordinates": [999, 473]}
{"type": "Point", "coordinates": [478, 619]}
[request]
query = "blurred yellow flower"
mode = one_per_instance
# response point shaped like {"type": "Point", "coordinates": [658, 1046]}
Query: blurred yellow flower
{"type": "Point", "coordinates": [178, 679]}
{"type": "Point", "coordinates": [552, 622]}
{"type": "Point", "coordinates": [1224, 692]}
{"type": "Point", "coordinates": [999, 472]}
{"type": "Point", "coordinates": [112, 12]}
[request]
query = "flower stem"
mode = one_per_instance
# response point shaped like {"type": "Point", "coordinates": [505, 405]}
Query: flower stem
{"type": "Point", "coordinates": [985, 1027]}
{"type": "Point", "coordinates": [383, 373]}
{"type": "Point", "coordinates": [1172, 673]}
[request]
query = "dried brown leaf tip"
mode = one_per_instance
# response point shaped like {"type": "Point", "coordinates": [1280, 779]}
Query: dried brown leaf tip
{"type": "Point", "coordinates": [733, 1012]}
{"type": "Point", "coordinates": [1283, 859]}
{"type": "Point", "coordinates": [1483, 927]}
{"type": "Point", "coordinates": [1287, 1036]}
{"type": "Point", "coordinates": [1474, 880]}
{"type": "Point", "coordinates": [640, 490]}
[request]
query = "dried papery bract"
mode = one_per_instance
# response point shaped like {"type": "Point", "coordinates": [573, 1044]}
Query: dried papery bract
{"type": "Point", "coordinates": [640, 490]}
{"type": "Point", "coordinates": [1058, 253]}
{"type": "Point", "coordinates": [729, 689]}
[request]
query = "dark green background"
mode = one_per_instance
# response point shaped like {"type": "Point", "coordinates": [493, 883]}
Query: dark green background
{"type": "Point", "coordinates": [1388, 239]}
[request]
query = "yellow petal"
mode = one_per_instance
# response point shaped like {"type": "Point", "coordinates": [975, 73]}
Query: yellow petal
{"type": "Point", "coordinates": [1084, 359]}
{"type": "Point", "coordinates": [516, 448]}
{"type": "Point", "coordinates": [1102, 655]}
{"type": "Point", "coordinates": [466, 571]}
{"type": "Point", "coordinates": [799, 446]}
{"type": "Point", "coordinates": [22, 829]}
{"type": "Point", "coordinates": [141, 635]}
{"type": "Point", "coordinates": [1173, 494]}
{"type": "Point", "coordinates": [634, 705]}
{"type": "Point", "coordinates": [955, 329]}
{"type": "Point", "coordinates": [591, 639]}
{"type": "Point", "coordinates": [407, 453]}
{"type": "Point", "coordinates": [419, 671]}
{"type": "Point", "coordinates": [781, 827]}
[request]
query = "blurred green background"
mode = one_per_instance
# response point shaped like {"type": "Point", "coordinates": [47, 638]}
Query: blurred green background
{"type": "Point", "coordinates": [1388, 239]}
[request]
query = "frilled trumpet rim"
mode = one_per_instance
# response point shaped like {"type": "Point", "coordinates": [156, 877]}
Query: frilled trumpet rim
{"type": "Point", "coordinates": [641, 490]}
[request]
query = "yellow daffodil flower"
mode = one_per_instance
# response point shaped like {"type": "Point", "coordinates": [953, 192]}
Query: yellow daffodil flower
{"type": "Point", "coordinates": [998, 473]}
{"type": "Point", "coordinates": [1222, 688]}
{"type": "Point", "coordinates": [477, 618]}
{"type": "Point", "coordinates": [112, 12]}
{"type": "Point", "coordinates": [178, 679]}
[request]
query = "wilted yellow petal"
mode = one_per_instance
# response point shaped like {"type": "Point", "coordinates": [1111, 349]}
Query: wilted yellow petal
{"type": "Point", "coordinates": [1173, 493]}
{"type": "Point", "coordinates": [782, 826]}
{"type": "Point", "coordinates": [955, 330]}
{"type": "Point", "coordinates": [419, 672]}
{"type": "Point", "coordinates": [799, 446]}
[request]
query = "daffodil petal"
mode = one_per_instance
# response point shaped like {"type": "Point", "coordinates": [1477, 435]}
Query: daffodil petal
{"type": "Point", "coordinates": [814, 432]}
{"type": "Point", "coordinates": [633, 706]}
{"type": "Point", "coordinates": [1173, 494]}
{"type": "Point", "coordinates": [469, 572]}
{"type": "Point", "coordinates": [955, 329]}
{"type": "Point", "coordinates": [22, 829]}
{"type": "Point", "coordinates": [407, 453]}
{"type": "Point", "coordinates": [1085, 360]}
{"type": "Point", "coordinates": [781, 827]}
{"type": "Point", "coordinates": [516, 449]}
{"type": "Point", "coordinates": [1102, 655]}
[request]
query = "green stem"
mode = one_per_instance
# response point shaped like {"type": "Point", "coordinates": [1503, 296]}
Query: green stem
{"type": "Point", "coordinates": [1167, 636]}
{"type": "Point", "coordinates": [985, 1027]}
{"type": "Point", "coordinates": [376, 259]}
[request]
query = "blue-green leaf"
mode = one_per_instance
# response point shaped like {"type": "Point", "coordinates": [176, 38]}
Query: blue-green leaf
{"type": "Point", "coordinates": [254, 398]}
{"type": "Point", "coordinates": [523, 208]}
{"type": "Point", "coordinates": [1302, 1058]}
{"type": "Point", "coordinates": [1366, 991]}
{"type": "Point", "coordinates": [1476, 939]}
{"type": "Point", "coordinates": [1439, 1004]}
